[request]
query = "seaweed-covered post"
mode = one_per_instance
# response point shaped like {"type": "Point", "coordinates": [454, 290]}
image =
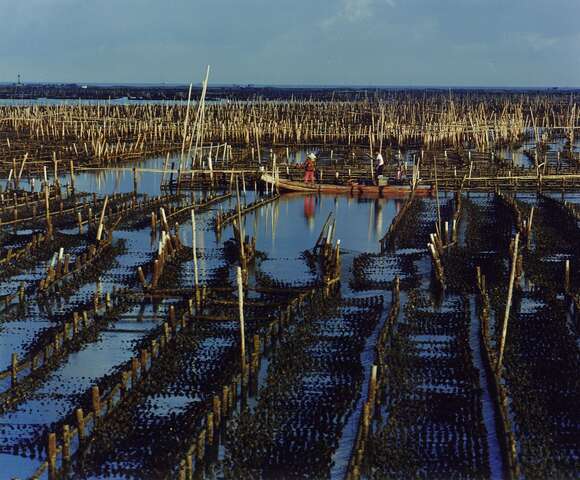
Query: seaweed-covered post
{"type": "Point", "coordinates": [508, 303]}
{"type": "Point", "coordinates": [52, 455]}
{"type": "Point", "coordinates": [241, 314]}
{"type": "Point", "coordinates": [14, 369]}
{"type": "Point", "coordinates": [96, 401]}
{"type": "Point", "coordinates": [66, 443]}
{"type": "Point", "coordinates": [80, 423]}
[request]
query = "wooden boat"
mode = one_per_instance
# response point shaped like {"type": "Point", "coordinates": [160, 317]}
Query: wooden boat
{"type": "Point", "coordinates": [391, 190]}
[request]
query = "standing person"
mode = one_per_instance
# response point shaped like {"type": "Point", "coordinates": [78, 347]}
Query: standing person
{"type": "Point", "coordinates": [309, 168]}
{"type": "Point", "coordinates": [380, 165]}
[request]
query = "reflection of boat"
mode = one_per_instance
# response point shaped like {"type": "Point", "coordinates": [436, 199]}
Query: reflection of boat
{"type": "Point", "coordinates": [393, 190]}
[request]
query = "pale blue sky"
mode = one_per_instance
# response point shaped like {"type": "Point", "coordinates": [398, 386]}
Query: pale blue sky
{"type": "Point", "coordinates": [338, 42]}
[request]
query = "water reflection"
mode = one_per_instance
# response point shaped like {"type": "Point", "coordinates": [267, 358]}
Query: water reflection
{"type": "Point", "coordinates": [360, 222]}
{"type": "Point", "coordinates": [378, 211]}
{"type": "Point", "coordinates": [309, 210]}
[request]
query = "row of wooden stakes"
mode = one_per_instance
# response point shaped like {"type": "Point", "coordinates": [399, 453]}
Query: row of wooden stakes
{"type": "Point", "coordinates": [103, 405]}
{"type": "Point", "coordinates": [61, 267]}
{"type": "Point", "coordinates": [73, 329]}
{"type": "Point", "coordinates": [497, 389]}
{"type": "Point", "coordinates": [194, 457]}
{"type": "Point", "coordinates": [376, 381]}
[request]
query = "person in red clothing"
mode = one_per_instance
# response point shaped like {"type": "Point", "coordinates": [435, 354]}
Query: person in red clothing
{"type": "Point", "coordinates": [309, 168]}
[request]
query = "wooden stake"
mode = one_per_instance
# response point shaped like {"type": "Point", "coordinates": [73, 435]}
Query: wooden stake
{"type": "Point", "coordinates": [72, 175]}
{"type": "Point", "coordinates": [508, 304]}
{"type": "Point", "coordinates": [65, 443]}
{"type": "Point", "coordinates": [80, 423]}
{"type": "Point", "coordinates": [14, 369]}
{"type": "Point", "coordinates": [96, 400]}
{"type": "Point", "coordinates": [101, 219]}
{"type": "Point", "coordinates": [47, 207]}
{"type": "Point", "coordinates": [52, 455]}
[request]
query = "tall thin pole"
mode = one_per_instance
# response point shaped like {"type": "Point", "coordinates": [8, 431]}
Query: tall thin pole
{"type": "Point", "coordinates": [241, 229]}
{"type": "Point", "coordinates": [508, 303]}
{"type": "Point", "coordinates": [241, 313]}
{"type": "Point", "coordinates": [437, 197]}
{"type": "Point", "coordinates": [47, 208]}
{"type": "Point", "coordinates": [185, 125]}
{"type": "Point", "coordinates": [101, 219]}
{"type": "Point", "coordinates": [200, 119]}
{"type": "Point", "coordinates": [194, 248]}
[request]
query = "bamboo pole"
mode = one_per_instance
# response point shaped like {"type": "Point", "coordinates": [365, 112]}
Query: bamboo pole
{"type": "Point", "coordinates": [508, 304]}
{"type": "Point", "coordinates": [101, 219]}
{"type": "Point", "coordinates": [241, 319]}
{"type": "Point", "coordinates": [194, 250]}
{"type": "Point", "coordinates": [185, 125]}
{"type": "Point", "coordinates": [241, 228]}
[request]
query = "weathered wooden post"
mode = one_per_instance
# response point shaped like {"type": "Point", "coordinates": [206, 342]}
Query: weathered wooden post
{"type": "Point", "coordinates": [72, 175]}
{"type": "Point", "coordinates": [14, 369]}
{"type": "Point", "coordinates": [65, 443]}
{"type": "Point", "coordinates": [52, 456]}
{"type": "Point", "coordinates": [373, 388]}
{"type": "Point", "coordinates": [141, 276]}
{"type": "Point", "coordinates": [96, 401]}
{"type": "Point", "coordinates": [80, 423]}
{"type": "Point", "coordinates": [134, 371]}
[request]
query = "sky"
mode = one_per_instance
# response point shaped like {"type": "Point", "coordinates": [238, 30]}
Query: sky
{"type": "Point", "coordinates": [517, 43]}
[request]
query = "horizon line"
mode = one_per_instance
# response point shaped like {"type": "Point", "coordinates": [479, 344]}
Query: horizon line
{"type": "Point", "coordinates": [288, 85]}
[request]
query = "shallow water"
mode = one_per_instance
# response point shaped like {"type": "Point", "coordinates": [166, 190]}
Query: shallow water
{"type": "Point", "coordinates": [59, 393]}
{"type": "Point", "coordinates": [283, 230]}
{"type": "Point", "coordinates": [488, 412]}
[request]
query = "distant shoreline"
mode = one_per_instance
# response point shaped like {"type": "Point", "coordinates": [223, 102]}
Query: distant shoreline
{"type": "Point", "coordinates": [157, 92]}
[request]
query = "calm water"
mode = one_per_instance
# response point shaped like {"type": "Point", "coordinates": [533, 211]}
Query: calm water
{"type": "Point", "coordinates": [283, 229]}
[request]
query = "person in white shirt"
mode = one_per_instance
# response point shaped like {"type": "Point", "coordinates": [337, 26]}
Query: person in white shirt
{"type": "Point", "coordinates": [380, 165]}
